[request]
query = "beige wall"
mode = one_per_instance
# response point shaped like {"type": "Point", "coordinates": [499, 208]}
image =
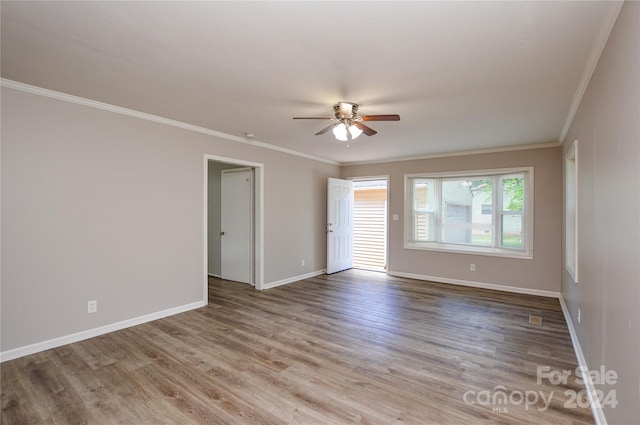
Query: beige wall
{"type": "Point", "coordinates": [98, 205]}
{"type": "Point", "coordinates": [541, 273]}
{"type": "Point", "coordinates": [607, 127]}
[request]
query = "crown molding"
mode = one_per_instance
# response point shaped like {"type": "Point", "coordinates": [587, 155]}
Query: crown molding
{"type": "Point", "coordinates": [592, 62]}
{"type": "Point", "coordinates": [459, 153]}
{"type": "Point", "coordinates": [11, 84]}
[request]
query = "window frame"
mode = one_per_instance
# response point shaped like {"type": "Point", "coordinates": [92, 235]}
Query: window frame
{"type": "Point", "coordinates": [526, 252]}
{"type": "Point", "coordinates": [571, 211]}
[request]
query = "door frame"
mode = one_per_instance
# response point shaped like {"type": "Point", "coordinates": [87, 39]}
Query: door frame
{"type": "Point", "coordinates": [389, 218]}
{"type": "Point", "coordinates": [258, 219]}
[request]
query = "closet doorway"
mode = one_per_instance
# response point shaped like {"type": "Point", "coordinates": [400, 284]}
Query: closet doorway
{"type": "Point", "coordinates": [241, 254]}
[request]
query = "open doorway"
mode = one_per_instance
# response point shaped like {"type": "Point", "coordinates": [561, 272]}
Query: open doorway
{"type": "Point", "coordinates": [370, 223]}
{"type": "Point", "coordinates": [251, 243]}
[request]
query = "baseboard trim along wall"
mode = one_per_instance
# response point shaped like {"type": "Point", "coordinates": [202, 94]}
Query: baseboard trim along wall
{"type": "Point", "coordinates": [293, 279]}
{"type": "Point", "coordinates": [91, 333]}
{"type": "Point", "coordinates": [482, 285]}
{"type": "Point", "coordinates": [596, 409]}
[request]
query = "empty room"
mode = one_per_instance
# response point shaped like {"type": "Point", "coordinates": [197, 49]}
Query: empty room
{"type": "Point", "coordinates": [313, 212]}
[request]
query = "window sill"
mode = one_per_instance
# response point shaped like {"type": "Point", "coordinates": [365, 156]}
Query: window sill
{"type": "Point", "coordinates": [473, 250]}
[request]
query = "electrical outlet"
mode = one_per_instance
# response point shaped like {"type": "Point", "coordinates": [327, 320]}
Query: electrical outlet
{"type": "Point", "coordinates": [92, 306]}
{"type": "Point", "coordinates": [472, 267]}
{"type": "Point", "coordinates": [303, 262]}
{"type": "Point", "coordinates": [579, 316]}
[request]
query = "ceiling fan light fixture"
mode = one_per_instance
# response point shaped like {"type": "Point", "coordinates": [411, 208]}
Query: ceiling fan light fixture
{"type": "Point", "coordinates": [340, 132]}
{"type": "Point", "coordinates": [348, 125]}
{"type": "Point", "coordinates": [355, 131]}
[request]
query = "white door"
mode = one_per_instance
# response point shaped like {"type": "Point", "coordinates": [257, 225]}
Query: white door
{"type": "Point", "coordinates": [236, 225]}
{"type": "Point", "coordinates": [339, 225]}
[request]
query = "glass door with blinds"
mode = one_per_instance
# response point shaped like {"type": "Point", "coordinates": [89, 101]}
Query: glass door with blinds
{"type": "Point", "coordinates": [370, 224]}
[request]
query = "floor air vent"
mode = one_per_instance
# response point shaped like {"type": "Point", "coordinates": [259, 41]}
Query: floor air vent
{"type": "Point", "coordinates": [535, 320]}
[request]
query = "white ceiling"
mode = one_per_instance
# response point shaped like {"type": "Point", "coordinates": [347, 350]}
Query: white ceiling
{"type": "Point", "coordinates": [462, 75]}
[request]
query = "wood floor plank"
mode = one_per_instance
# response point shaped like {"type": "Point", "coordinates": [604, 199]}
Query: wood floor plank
{"type": "Point", "coordinates": [15, 393]}
{"type": "Point", "coordinates": [352, 347]}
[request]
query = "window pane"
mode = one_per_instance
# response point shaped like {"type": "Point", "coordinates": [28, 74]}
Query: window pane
{"type": "Point", "coordinates": [513, 193]}
{"type": "Point", "coordinates": [424, 207]}
{"type": "Point", "coordinates": [462, 220]}
{"type": "Point", "coordinates": [424, 195]}
{"type": "Point", "coordinates": [423, 227]}
{"type": "Point", "coordinates": [570, 213]}
{"type": "Point", "coordinates": [511, 231]}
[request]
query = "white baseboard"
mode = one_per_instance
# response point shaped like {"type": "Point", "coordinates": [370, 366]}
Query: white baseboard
{"type": "Point", "coordinates": [214, 275]}
{"type": "Point", "coordinates": [293, 279]}
{"type": "Point", "coordinates": [515, 289]}
{"type": "Point", "coordinates": [596, 409]}
{"type": "Point", "coordinates": [91, 333]}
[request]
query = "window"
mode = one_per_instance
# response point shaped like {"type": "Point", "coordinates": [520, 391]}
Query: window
{"type": "Point", "coordinates": [570, 212]}
{"type": "Point", "coordinates": [486, 212]}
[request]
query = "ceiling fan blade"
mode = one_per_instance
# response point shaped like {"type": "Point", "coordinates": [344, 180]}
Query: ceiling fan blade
{"type": "Point", "coordinates": [366, 130]}
{"type": "Point", "coordinates": [393, 117]}
{"type": "Point", "coordinates": [324, 130]}
{"type": "Point", "coordinates": [312, 118]}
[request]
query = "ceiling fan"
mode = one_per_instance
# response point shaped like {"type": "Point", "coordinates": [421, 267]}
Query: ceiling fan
{"type": "Point", "coordinates": [349, 124]}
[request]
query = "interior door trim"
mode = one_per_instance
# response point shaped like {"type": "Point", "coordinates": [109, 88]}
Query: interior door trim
{"type": "Point", "coordinates": [258, 242]}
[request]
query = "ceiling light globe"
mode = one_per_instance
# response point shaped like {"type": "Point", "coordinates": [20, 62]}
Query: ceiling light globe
{"type": "Point", "coordinates": [355, 131]}
{"type": "Point", "coordinates": [340, 131]}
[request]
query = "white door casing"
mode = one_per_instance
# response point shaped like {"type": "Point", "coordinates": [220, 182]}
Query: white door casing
{"type": "Point", "coordinates": [339, 225]}
{"type": "Point", "coordinates": [236, 225]}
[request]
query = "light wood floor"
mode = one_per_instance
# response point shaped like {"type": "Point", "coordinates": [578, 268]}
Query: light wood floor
{"type": "Point", "coordinates": [353, 347]}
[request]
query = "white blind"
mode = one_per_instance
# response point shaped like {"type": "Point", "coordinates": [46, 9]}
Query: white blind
{"type": "Point", "coordinates": [369, 228]}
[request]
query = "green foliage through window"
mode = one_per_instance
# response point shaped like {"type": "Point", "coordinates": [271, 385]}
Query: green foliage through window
{"type": "Point", "coordinates": [514, 189]}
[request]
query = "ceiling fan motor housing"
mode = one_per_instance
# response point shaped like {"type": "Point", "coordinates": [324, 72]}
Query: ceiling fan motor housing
{"type": "Point", "coordinates": [345, 110]}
